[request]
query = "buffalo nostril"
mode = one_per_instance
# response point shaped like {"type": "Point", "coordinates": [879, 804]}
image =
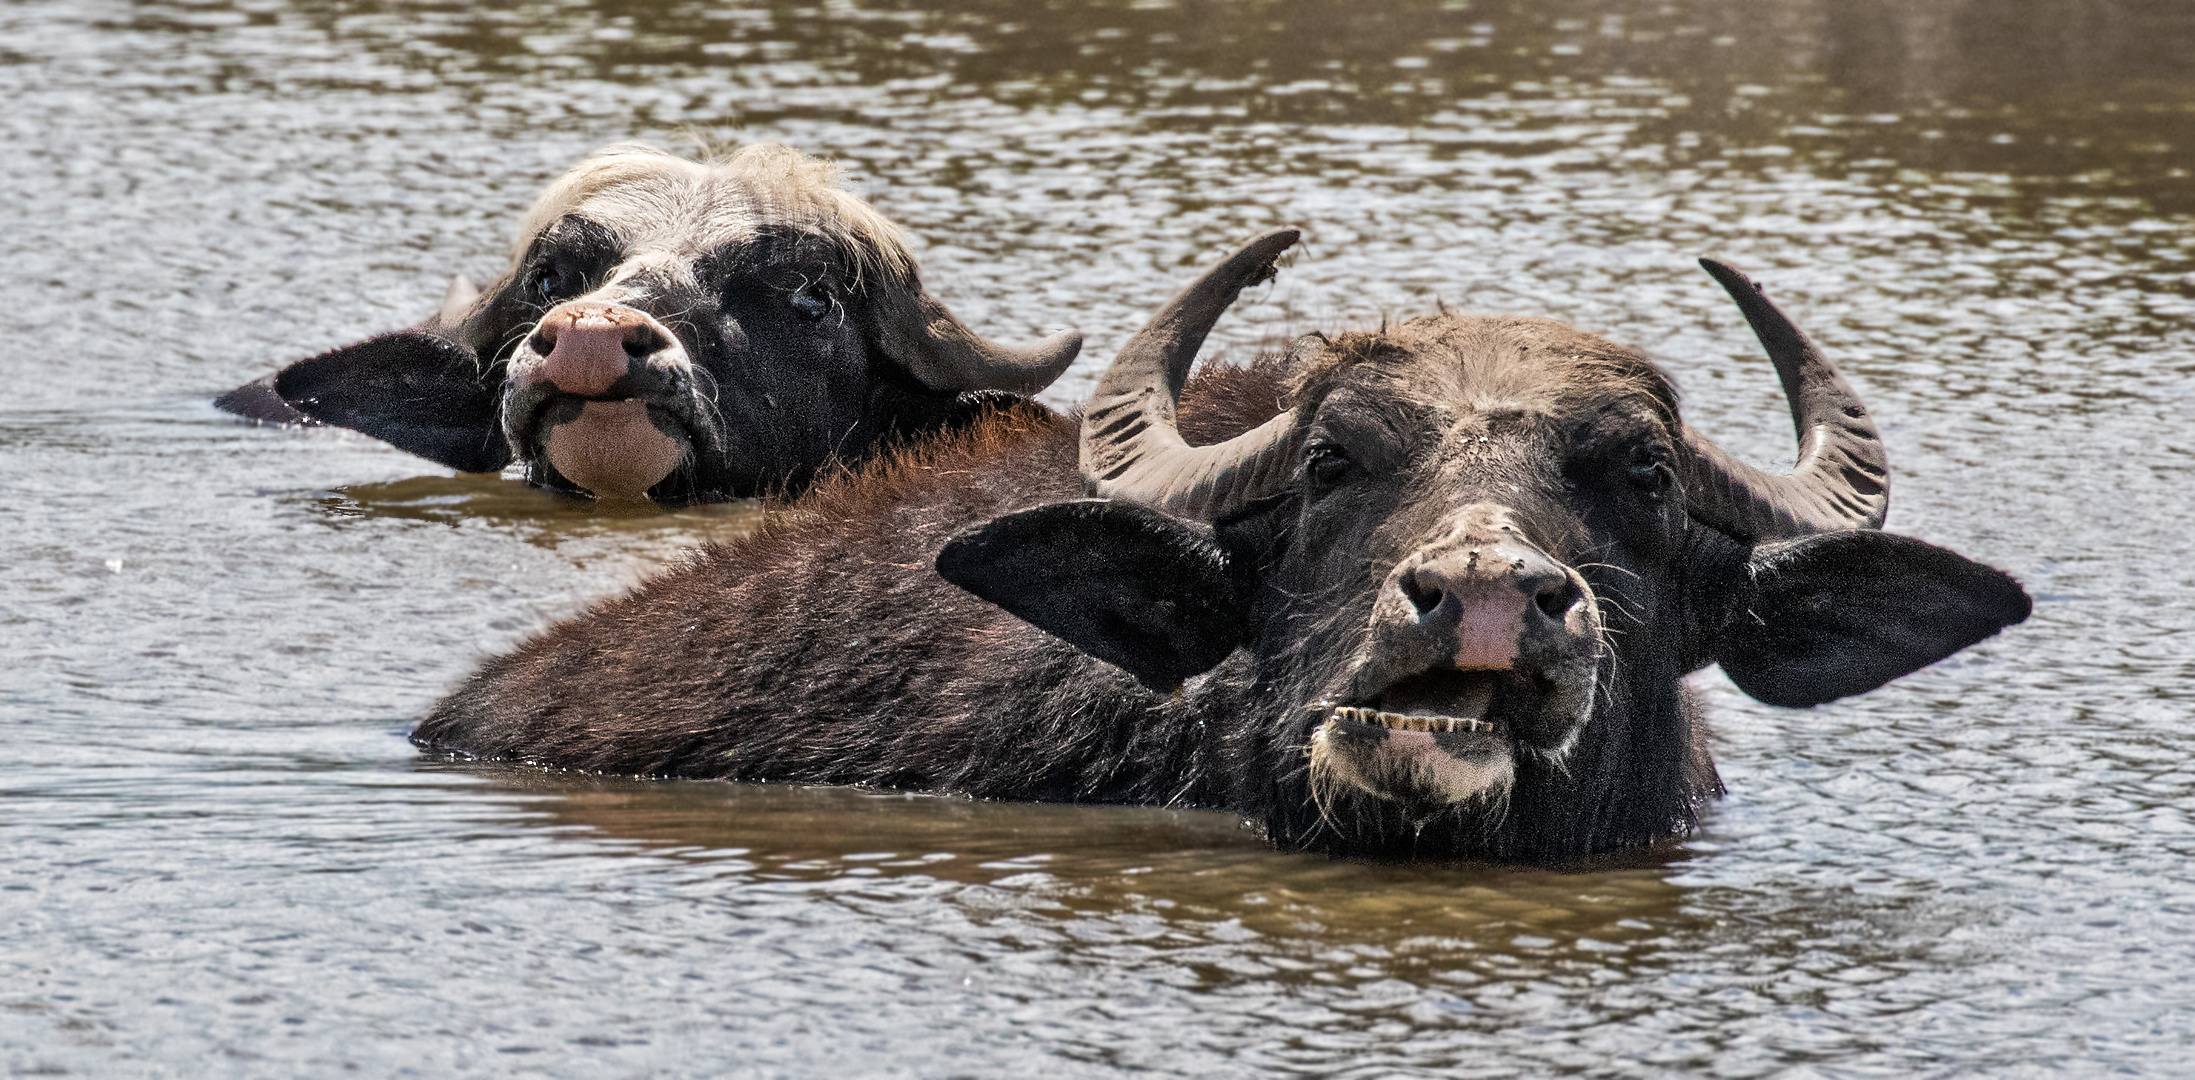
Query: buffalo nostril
{"type": "Point", "coordinates": [1421, 596]}
{"type": "Point", "coordinates": [1556, 596]}
{"type": "Point", "coordinates": [543, 341]}
{"type": "Point", "coordinates": [642, 341]}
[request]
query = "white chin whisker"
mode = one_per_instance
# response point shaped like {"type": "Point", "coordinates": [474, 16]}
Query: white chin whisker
{"type": "Point", "coordinates": [1557, 757]}
{"type": "Point", "coordinates": [1457, 782]}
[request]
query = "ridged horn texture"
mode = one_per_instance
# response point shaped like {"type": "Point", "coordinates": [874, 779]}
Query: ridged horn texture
{"type": "Point", "coordinates": [1842, 478]}
{"type": "Point", "coordinates": [1130, 447]}
{"type": "Point", "coordinates": [944, 354]}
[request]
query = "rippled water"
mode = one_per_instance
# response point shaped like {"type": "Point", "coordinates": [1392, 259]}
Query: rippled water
{"type": "Point", "coordinates": [222, 858]}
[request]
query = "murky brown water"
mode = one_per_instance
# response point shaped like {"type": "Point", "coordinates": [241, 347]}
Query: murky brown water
{"type": "Point", "coordinates": [222, 859]}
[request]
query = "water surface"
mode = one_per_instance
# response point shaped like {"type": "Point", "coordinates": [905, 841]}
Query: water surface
{"type": "Point", "coordinates": [222, 858]}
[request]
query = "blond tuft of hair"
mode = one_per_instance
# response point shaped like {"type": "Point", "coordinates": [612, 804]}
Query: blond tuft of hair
{"type": "Point", "coordinates": [797, 190]}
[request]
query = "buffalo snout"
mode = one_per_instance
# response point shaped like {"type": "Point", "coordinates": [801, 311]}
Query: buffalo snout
{"type": "Point", "coordinates": [604, 393]}
{"type": "Point", "coordinates": [588, 349]}
{"type": "Point", "coordinates": [1481, 597]}
{"type": "Point", "coordinates": [1482, 645]}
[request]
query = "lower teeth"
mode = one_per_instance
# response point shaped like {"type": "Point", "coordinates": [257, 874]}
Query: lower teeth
{"type": "Point", "coordinates": [1400, 722]}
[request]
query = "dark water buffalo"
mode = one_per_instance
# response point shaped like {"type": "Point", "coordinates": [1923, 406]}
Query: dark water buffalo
{"type": "Point", "coordinates": [682, 330]}
{"type": "Point", "coordinates": [1422, 593]}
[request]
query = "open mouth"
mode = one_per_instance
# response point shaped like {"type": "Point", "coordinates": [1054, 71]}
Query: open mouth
{"type": "Point", "coordinates": [1440, 702]}
{"type": "Point", "coordinates": [1430, 740]}
{"type": "Point", "coordinates": [1442, 737]}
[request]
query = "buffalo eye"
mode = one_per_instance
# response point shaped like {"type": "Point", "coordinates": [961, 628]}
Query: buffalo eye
{"type": "Point", "coordinates": [811, 302]}
{"type": "Point", "coordinates": [1647, 469]}
{"type": "Point", "coordinates": [558, 280]}
{"type": "Point", "coordinates": [1327, 465]}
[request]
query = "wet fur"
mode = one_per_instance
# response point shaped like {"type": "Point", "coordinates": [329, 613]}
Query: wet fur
{"type": "Point", "coordinates": [824, 649]}
{"type": "Point", "coordinates": [737, 194]}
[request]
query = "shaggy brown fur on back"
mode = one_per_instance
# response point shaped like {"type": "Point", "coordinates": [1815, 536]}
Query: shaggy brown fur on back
{"type": "Point", "coordinates": [823, 647]}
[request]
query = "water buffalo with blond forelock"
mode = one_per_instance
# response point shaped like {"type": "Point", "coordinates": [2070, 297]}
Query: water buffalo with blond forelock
{"type": "Point", "coordinates": [1425, 593]}
{"type": "Point", "coordinates": [678, 330]}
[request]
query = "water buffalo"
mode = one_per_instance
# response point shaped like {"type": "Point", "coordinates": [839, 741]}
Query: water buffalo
{"type": "Point", "coordinates": [1428, 592]}
{"type": "Point", "coordinates": [687, 331]}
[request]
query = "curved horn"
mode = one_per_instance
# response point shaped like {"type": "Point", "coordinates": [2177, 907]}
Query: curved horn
{"type": "Point", "coordinates": [1842, 478]}
{"type": "Point", "coordinates": [1130, 447]}
{"type": "Point", "coordinates": [944, 354]}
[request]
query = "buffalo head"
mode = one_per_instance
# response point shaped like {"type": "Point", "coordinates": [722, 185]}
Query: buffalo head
{"type": "Point", "coordinates": [672, 329]}
{"type": "Point", "coordinates": [1460, 578]}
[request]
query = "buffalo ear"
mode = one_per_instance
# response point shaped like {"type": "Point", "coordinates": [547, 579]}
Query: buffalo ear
{"type": "Point", "coordinates": [414, 390]}
{"type": "Point", "coordinates": [1142, 591]}
{"type": "Point", "coordinates": [259, 400]}
{"type": "Point", "coordinates": [1845, 612]}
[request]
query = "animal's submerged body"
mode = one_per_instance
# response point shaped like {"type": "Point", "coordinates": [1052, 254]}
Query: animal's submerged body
{"type": "Point", "coordinates": [1433, 591]}
{"type": "Point", "coordinates": [822, 649]}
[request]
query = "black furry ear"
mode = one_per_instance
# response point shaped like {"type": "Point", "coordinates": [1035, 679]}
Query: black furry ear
{"type": "Point", "coordinates": [259, 400]}
{"type": "Point", "coordinates": [1142, 591]}
{"type": "Point", "coordinates": [1845, 612]}
{"type": "Point", "coordinates": [414, 390]}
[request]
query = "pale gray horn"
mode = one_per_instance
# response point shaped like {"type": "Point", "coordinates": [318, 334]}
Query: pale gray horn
{"type": "Point", "coordinates": [942, 353]}
{"type": "Point", "coordinates": [1130, 447]}
{"type": "Point", "coordinates": [1842, 478]}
